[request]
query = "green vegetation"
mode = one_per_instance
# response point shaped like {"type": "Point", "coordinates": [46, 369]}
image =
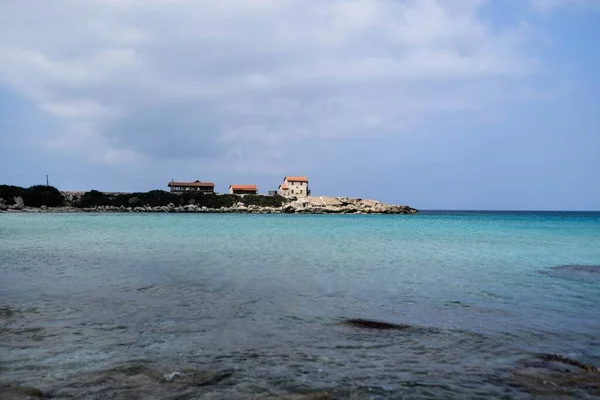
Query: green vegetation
{"type": "Point", "coordinates": [157, 198]}
{"type": "Point", "coordinates": [93, 198]}
{"type": "Point", "coordinates": [41, 195]}
{"type": "Point", "coordinates": [37, 196]}
{"type": "Point", "coordinates": [8, 193]}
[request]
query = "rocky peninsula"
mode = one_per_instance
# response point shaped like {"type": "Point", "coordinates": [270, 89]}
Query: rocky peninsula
{"type": "Point", "coordinates": [48, 199]}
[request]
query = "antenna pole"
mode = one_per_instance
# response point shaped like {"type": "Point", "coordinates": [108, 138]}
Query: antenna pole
{"type": "Point", "coordinates": [47, 184]}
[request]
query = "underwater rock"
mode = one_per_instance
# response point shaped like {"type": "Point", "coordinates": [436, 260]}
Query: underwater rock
{"type": "Point", "coordinates": [550, 375]}
{"type": "Point", "coordinates": [20, 393]}
{"type": "Point", "coordinates": [568, 361]}
{"type": "Point", "coordinates": [303, 396]}
{"type": "Point", "coordinates": [584, 272]}
{"type": "Point", "coordinates": [577, 268]}
{"type": "Point", "coordinates": [141, 380]}
{"type": "Point", "coordinates": [371, 324]}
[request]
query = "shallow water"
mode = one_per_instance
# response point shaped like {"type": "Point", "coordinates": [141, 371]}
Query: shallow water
{"type": "Point", "coordinates": [255, 302]}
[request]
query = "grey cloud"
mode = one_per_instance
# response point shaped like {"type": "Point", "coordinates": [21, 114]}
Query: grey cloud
{"type": "Point", "coordinates": [168, 131]}
{"type": "Point", "coordinates": [165, 79]}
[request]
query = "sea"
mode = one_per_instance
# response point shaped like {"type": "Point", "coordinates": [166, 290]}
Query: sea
{"type": "Point", "coordinates": [227, 306]}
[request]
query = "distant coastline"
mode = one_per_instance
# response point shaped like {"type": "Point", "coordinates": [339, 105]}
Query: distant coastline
{"type": "Point", "coordinates": [42, 198]}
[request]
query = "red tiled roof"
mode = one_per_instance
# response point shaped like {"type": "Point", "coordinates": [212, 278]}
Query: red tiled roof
{"type": "Point", "coordinates": [295, 179]}
{"type": "Point", "coordinates": [284, 186]}
{"type": "Point", "coordinates": [243, 187]}
{"type": "Point", "coordinates": [192, 184]}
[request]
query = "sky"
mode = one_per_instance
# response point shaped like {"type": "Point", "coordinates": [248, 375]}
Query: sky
{"type": "Point", "coordinates": [437, 104]}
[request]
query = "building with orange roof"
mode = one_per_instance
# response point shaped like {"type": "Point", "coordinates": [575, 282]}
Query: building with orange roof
{"type": "Point", "coordinates": [294, 186]}
{"type": "Point", "coordinates": [243, 189]}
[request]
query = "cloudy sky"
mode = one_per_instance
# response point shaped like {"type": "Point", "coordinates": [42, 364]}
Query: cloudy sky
{"type": "Point", "coordinates": [439, 104]}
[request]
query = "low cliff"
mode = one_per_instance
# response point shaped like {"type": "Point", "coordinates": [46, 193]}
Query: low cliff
{"type": "Point", "coordinates": [343, 205]}
{"type": "Point", "coordinates": [160, 201]}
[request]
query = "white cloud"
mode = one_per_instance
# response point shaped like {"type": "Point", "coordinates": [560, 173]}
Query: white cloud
{"type": "Point", "coordinates": [237, 78]}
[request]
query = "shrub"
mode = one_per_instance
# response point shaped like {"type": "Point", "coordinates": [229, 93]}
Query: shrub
{"type": "Point", "coordinates": [8, 193]}
{"type": "Point", "coordinates": [37, 196]}
{"type": "Point", "coordinates": [264, 201]}
{"type": "Point", "coordinates": [94, 198]}
{"type": "Point", "coordinates": [41, 195]}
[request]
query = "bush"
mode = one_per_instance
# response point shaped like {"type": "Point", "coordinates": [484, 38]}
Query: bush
{"type": "Point", "coordinates": [37, 196]}
{"type": "Point", "coordinates": [158, 198]}
{"type": "Point", "coordinates": [94, 198]}
{"type": "Point", "coordinates": [264, 201]}
{"type": "Point", "coordinates": [41, 195]}
{"type": "Point", "coordinates": [8, 193]}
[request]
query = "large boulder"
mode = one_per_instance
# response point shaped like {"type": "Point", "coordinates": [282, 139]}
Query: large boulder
{"type": "Point", "coordinates": [330, 201]}
{"type": "Point", "coordinates": [19, 205]}
{"type": "Point", "coordinates": [19, 202]}
{"type": "Point", "coordinates": [369, 203]}
{"type": "Point", "coordinates": [288, 208]}
{"type": "Point", "coordinates": [190, 208]}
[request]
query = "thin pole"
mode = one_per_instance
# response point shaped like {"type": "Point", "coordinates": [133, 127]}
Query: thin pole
{"type": "Point", "coordinates": [47, 184]}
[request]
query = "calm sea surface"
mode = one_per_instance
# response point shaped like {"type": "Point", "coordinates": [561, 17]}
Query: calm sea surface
{"type": "Point", "coordinates": [180, 306]}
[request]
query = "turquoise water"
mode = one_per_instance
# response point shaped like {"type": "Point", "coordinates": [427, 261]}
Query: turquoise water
{"type": "Point", "coordinates": [261, 297]}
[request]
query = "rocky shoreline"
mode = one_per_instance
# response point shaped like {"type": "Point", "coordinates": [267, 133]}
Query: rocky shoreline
{"type": "Point", "coordinates": [305, 205]}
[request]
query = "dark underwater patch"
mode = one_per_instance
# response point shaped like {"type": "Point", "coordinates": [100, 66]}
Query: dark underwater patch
{"type": "Point", "coordinates": [20, 393]}
{"type": "Point", "coordinates": [548, 375]}
{"type": "Point", "coordinates": [372, 324]}
{"type": "Point", "coordinates": [574, 271]}
{"type": "Point", "coordinates": [578, 268]}
{"type": "Point", "coordinates": [376, 325]}
{"type": "Point", "coordinates": [142, 380]}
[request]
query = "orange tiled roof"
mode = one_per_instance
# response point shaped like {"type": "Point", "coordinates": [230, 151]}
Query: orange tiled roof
{"type": "Point", "coordinates": [295, 179]}
{"type": "Point", "coordinates": [192, 184]}
{"type": "Point", "coordinates": [243, 187]}
{"type": "Point", "coordinates": [284, 186]}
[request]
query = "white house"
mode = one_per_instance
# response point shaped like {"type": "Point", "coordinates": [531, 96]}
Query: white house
{"type": "Point", "coordinates": [294, 186]}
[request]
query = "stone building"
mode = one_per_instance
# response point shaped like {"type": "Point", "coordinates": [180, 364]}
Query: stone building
{"type": "Point", "coordinates": [294, 186]}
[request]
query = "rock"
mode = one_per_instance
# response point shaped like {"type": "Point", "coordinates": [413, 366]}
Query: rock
{"type": "Point", "coordinates": [19, 205]}
{"type": "Point", "coordinates": [577, 269]}
{"type": "Point", "coordinates": [568, 361]}
{"type": "Point", "coordinates": [20, 393]}
{"type": "Point", "coordinates": [19, 202]}
{"type": "Point", "coordinates": [370, 324]}
{"type": "Point", "coordinates": [549, 375]}
{"type": "Point", "coordinates": [196, 378]}
{"type": "Point", "coordinates": [303, 396]}
{"type": "Point", "coordinates": [330, 201]}
{"type": "Point", "coordinates": [140, 381]}
{"type": "Point", "coordinates": [370, 203]}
